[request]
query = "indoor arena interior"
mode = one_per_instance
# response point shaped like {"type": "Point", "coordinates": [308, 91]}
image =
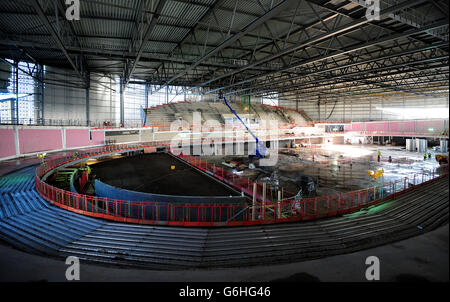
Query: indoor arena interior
{"type": "Point", "coordinates": [224, 141]}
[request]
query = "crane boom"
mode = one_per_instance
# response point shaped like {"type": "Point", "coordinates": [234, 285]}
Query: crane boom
{"type": "Point", "coordinates": [261, 150]}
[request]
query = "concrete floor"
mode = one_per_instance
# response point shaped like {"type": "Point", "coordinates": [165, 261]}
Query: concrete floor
{"type": "Point", "coordinates": [421, 258]}
{"type": "Point", "coordinates": [152, 173]}
{"type": "Point", "coordinates": [341, 168]}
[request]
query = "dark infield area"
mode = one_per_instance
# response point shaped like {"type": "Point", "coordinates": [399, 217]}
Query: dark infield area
{"type": "Point", "coordinates": [151, 173]}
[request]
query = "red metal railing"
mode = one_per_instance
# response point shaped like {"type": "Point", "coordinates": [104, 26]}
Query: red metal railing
{"type": "Point", "coordinates": [215, 214]}
{"type": "Point", "coordinates": [243, 184]}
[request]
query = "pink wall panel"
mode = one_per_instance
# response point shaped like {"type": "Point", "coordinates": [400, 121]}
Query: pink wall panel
{"type": "Point", "coordinates": [347, 127]}
{"type": "Point", "coordinates": [402, 126]}
{"type": "Point", "coordinates": [357, 126]}
{"type": "Point", "coordinates": [35, 140]}
{"type": "Point", "coordinates": [377, 126]}
{"type": "Point", "coordinates": [98, 137]}
{"type": "Point", "coordinates": [7, 147]}
{"type": "Point", "coordinates": [371, 127]}
{"type": "Point", "coordinates": [80, 138]}
{"type": "Point", "coordinates": [77, 137]}
{"type": "Point", "coordinates": [395, 126]}
{"type": "Point", "coordinates": [426, 126]}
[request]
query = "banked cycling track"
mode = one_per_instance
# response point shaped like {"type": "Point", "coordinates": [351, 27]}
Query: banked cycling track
{"type": "Point", "coordinates": [29, 223]}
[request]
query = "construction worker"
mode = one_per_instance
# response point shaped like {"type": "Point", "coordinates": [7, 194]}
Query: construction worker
{"type": "Point", "coordinates": [42, 156]}
{"type": "Point", "coordinates": [379, 155]}
{"type": "Point", "coordinates": [429, 155]}
{"type": "Point", "coordinates": [424, 156]}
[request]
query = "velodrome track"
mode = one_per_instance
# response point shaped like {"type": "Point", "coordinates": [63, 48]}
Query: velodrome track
{"type": "Point", "coordinates": [29, 223]}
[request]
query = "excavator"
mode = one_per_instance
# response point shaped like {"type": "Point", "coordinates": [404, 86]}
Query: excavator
{"type": "Point", "coordinates": [261, 150]}
{"type": "Point", "coordinates": [442, 159]}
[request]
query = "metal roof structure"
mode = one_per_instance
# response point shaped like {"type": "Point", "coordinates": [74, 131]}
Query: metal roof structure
{"type": "Point", "coordinates": [301, 49]}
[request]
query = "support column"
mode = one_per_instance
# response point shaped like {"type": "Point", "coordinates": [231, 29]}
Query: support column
{"type": "Point", "coordinates": [63, 137]}
{"type": "Point", "coordinates": [279, 205]}
{"type": "Point", "coordinates": [254, 201]}
{"type": "Point", "coordinates": [122, 107]}
{"type": "Point", "coordinates": [42, 94]}
{"type": "Point", "coordinates": [263, 201]}
{"type": "Point", "coordinates": [318, 107]}
{"type": "Point", "coordinates": [88, 119]}
{"type": "Point", "coordinates": [167, 94]}
{"type": "Point", "coordinates": [16, 140]}
{"type": "Point", "coordinates": [343, 107]}
{"type": "Point", "coordinates": [146, 86]}
{"type": "Point", "coordinates": [146, 95]}
{"type": "Point", "coordinates": [15, 102]}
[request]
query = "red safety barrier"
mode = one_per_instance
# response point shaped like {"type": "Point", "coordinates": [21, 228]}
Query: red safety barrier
{"type": "Point", "coordinates": [243, 184]}
{"type": "Point", "coordinates": [260, 211]}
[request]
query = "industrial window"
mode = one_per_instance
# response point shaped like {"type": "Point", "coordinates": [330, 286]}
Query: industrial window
{"type": "Point", "coordinates": [156, 98]}
{"type": "Point", "coordinates": [172, 94]}
{"type": "Point", "coordinates": [175, 94]}
{"type": "Point", "coordinates": [5, 95]}
{"type": "Point", "coordinates": [27, 86]}
{"type": "Point", "coordinates": [134, 102]}
{"type": "Point", "coordinates": [26, 93]}
{"type": "Point", "coordinates": [134, 99]}
{"type": "Point", "coordinates": [271, 100]}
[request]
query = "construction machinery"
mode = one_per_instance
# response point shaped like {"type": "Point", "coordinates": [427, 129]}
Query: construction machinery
{"type": "Point", "coordinates": [261, 150]}
{"type": "Point", "coordinates": [441, 159]}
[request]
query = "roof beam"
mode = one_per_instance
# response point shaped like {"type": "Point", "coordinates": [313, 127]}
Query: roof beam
{"type": "Point", "coordinates": [193, 29]}
{"type": "Point", "coordinates": [268, 15]}
{"type": "Point", "coordinates": [114, 54]}
{"type": "Point", "coordinates": [150, 27]}
{"type": "Point", "coordinates": [412, 21]}
{"type": "Point", "coordinates": [321, 37]}
{"type": "Point", "coordinates": [339, 52]}
{"type": "Point", "coordinates": [58, 40]}
{"type": "Point", "coordinates": [348, 75]}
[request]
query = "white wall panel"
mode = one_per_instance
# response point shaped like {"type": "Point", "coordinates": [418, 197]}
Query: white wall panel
{"type": "Point", "coordinates": [63, 102]}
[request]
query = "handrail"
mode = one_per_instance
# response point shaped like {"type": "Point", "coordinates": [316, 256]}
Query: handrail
{"type": "Point", "coordinates": [214, 214]}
